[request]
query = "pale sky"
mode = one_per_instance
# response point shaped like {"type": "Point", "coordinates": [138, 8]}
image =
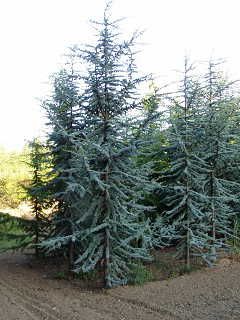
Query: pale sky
{"type": "Point", "coordinates": [36, 33]}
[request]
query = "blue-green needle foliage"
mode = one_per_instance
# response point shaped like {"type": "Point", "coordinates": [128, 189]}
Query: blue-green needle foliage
{"type": "Point", "coordinates": [109, 226]}
{"type": "Point", "coordinates": [200, 187]}
{"type": "Point", "coordinates": [182, 183]}
{"type": "Point", "coordinates": [62, 113]}
{"type": "Point", "coordinates": [39, 226]}
{"type": "Point", "coordinates": [220, 150]}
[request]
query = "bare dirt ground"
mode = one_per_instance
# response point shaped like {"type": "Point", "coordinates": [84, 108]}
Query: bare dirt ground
{"type": "Point", "coordinates": [27, 293]}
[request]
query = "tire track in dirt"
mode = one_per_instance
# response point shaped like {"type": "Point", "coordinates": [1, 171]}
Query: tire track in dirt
{"type": "Point", "coordinates": [90, 305]}
{"type": "Point", "coordinates": [31, 306]}
{"type": "Point", "coordinates": [98, 304]}
{"type": "Point", "coordinates": [42, 308]}
{"type": "Point", "coordinates": [18, 305]}
{"type": "Point", "coordinates": [148, 306]}
{"type": "Point", "coordinates": [30, 294]}
{"type": "Point", "coordinates": [35, 301]}
{"type": "Point", "coordinates": [39, 298]}
{"type": "Point", "coordinates": [27, 293]}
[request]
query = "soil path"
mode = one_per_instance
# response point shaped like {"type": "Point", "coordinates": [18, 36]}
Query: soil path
{"type": "Point", "coordinates": [27, 294]}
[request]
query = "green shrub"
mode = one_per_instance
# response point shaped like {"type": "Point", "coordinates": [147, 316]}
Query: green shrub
{"type": "Point", "coordinates": [12, 234]}
{"type": "Point", "coordinates": [60, 275]}
{"type": "Point", "coordinates": [87, 276]}
{"type": "Point", "coordinates": [139, 274]}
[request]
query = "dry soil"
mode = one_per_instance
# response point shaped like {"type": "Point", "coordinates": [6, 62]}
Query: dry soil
{"type": "Point", "coordinates": [27, 293]}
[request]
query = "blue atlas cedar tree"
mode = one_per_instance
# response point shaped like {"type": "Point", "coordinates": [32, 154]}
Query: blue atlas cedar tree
{"type": "Point", "coordinates": [109, 228]}
{"type": "Point", "coordinates": [219, 149]}
{"type": "Point", "coordinates": [200, 189]}
{"type": "Point", "coordinates": [62, 116]}
{"type": "Point", "coordinates": [182, 182]}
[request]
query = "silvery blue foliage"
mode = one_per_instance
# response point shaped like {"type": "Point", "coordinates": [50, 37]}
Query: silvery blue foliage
{"type": "Point", "coordinates": [62, 113]}
{"type": "Point", "coordinates": [183, 181]}
{"type": "Point", "coordinates": [200, 187]}
{"type": "Point", "coordinates": [102, 187]}
{"type": "Point", "coordinates": [220, 149]}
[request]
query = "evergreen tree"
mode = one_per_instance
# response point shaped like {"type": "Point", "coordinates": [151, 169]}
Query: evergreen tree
{"type": "Point", "coordinates": [62, 114]}
{"type": "Point", "coordinates": [111, 230]}
{"type": "Point", "coordinates": [219, 152]}
{"type": "Point", "coordinates": [22, 232]}
{"type": "Point", "coordinates": [182, 183]}
{"type": "Point", "coordinates": [38, 227]}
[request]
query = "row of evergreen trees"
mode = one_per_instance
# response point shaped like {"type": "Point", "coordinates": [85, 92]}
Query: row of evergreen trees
{"type": "Point", "coordinates": [123, 175]}
{"type": "Point", "coordinates": [200, 187]}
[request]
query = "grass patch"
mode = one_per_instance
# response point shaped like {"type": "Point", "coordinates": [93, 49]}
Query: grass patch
{"type": "Point", "coordinates": [140, 274]}
{"type": "Point", "coordinates": [60, 275]}
{"type": "Point", "coordinates": [87, 276]}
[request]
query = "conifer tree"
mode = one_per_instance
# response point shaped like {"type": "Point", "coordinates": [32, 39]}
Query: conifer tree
{"type": "Point", "coordinates": [219, 152]}
{"type": "Point", "coordinates": [182, 183]}
{"type": "Point", "coordinates": [23, 232]}
{"type": "Point", "coordinates": [39, 226]}
{"type": "Point", "coordinates": [62, 115]}
{"type": "Point", "coordinates": [111, 230]}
